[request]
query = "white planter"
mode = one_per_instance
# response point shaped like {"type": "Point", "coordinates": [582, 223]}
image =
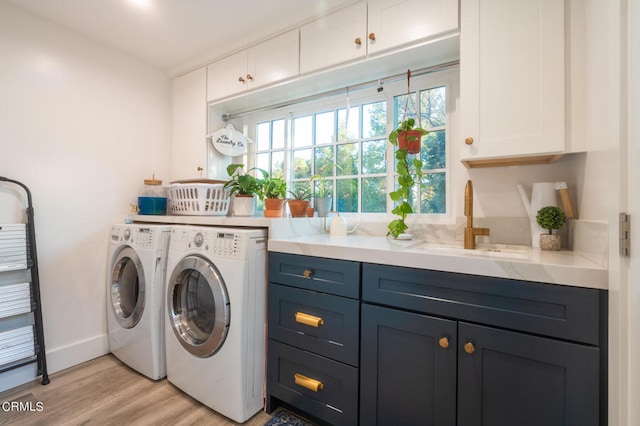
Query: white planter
{"type": "Point", "coordinates": [243, 205]}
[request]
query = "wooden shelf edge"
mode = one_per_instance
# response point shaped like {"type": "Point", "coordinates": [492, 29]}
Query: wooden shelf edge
{"type": "Point", "coordinates": [512, 161]}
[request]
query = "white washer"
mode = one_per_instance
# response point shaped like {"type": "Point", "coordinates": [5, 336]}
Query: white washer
{"type": "Point", "coordinates": [216, 315]}
{"type": "Point", "coordinates": [135, 296]}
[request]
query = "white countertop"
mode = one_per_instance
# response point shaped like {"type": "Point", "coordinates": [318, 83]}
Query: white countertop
{"type": "Point", "coordinates": [304, 236]}
{"type": "Point", "coordinates": [562, 267]}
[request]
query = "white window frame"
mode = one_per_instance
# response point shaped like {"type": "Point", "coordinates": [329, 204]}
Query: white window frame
{"type": "Point", "coordinates": [448, 78]}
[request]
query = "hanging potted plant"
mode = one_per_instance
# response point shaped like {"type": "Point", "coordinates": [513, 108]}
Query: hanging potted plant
{"type": "Point", "coordinates": [243, 188]}
{"type": "Point", "coordinates": [408, 137]}
{"type": "Point", "coordinates": [550, 218]}
{"type": "Point", "coordinates": [273, 192]}
{"type": "Point", "coordinates": [323, 199]}
{"type": "Point", "coordinates": [300, 201]}
{"type": "Point", "coordinates": [409, 174]}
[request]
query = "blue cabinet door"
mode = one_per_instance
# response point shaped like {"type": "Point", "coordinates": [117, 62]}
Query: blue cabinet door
{"type": "Point", "coordinates": [507, 378]}
{"type": "Point", "coordinates": [407, 368]}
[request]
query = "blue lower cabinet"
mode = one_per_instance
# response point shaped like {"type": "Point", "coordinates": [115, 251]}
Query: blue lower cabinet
{"type": "Point", "coordinates": [326, 389]}
{"type": "Point", "coordinates": [407, 368]}
{"type": "Point", "coordinates": [507, 378]}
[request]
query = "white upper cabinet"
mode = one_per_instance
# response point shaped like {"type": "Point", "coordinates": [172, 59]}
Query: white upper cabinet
{"type": "Point", "coordinates": [271, 61]}
{"type": "Point", "coordinates": [512, 81]}
{"type": "Point", "coordinates": [334, 39]}
{"type": "Point", "coordinates": [393, 23]}
{"type": "Point", "coordinates": [188, 141]}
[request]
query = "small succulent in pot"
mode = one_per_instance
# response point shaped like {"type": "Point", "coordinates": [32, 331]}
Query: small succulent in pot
{"type": "Point", "coordinates": [550, 218]}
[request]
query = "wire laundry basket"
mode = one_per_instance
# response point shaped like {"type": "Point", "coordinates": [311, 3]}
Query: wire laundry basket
{"type": "Point", "coordinates": [198, 199]}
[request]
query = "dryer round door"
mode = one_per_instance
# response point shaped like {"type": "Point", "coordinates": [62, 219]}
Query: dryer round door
{"type": "Point", "coordinates": [127, 288]}
{"type": "Point", "coordinates": [198, 306]}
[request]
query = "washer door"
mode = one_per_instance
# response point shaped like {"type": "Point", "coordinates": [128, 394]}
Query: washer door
{"type": "Point", "coordinates": [198, 306]}
{"type": "Point", "coordinates": [127, 288]}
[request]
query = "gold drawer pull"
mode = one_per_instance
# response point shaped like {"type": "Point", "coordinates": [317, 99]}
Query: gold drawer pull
{"type": "Point", "coordinates": [307, 273]}
{"type": "Point", "coordinates": [307, 382]}
{"type": "Point", "coordinates": [309, 320]}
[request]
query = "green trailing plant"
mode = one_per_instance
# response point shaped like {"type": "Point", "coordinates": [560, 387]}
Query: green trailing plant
{"type": "Point", "coordinates": [405, 126]}
{"type": "Point", "coordinates": [409, 175]}
{"type": "Point", "coordinates": [272, 187]}
{"type": "Point", "coordinates": [321, 177]}
{"type": "Point", "coordinates": [551, 218]}
{"type": "Point", "coordinates": [301, 192]}
{"type": "Point", "coordinates": [242, 182]}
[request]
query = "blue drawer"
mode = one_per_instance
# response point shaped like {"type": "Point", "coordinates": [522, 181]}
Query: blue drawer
{"type": "Point", "coordinates": [321, 323]}
{"type": "Point", "coordinates": [339, 277]}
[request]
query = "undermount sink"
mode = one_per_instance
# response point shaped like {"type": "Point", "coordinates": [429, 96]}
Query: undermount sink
{"type": "Point", "coordinates": [482, 250]}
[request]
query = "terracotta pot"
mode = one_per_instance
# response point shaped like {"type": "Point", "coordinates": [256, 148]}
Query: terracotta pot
{"type": "Point", "coordinates": [310, 211]}
{"type": "Point", "coordinates": [273, 207]}
{"type": "Point", "coordinates": [550, 242]}
{"type": "Point", "coordinates": [410, 140]}
{"type": "Point", "coordinates": [298, 208]}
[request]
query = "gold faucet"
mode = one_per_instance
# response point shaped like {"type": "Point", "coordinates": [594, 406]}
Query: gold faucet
{"type": "Point", "coordinates": [469, 231]}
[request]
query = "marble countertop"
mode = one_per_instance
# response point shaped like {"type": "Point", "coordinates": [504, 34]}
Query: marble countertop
{"type": "Point", "coordinates": [306, 237]}
{"type": "Point", "coordinates": [515, 262]}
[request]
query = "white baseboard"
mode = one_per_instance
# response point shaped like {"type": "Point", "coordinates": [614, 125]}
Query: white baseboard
{"type": "Point", "coordinates": [77, 353]}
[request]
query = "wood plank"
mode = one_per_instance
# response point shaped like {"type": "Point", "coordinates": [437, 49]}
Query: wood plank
{"type": "Point", "coordinates": [106, 391]}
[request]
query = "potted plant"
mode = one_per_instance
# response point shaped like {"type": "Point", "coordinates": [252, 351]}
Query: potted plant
{"type": "Point", "coordinates": [299, 202]}
{"type": "Point", "coordinates": [243, 188]}
{"type": "Point", "coordinates": [273, 192]}
{"type": "Point", "coordinates": [406, 136]}
{"type": "Point", "coordinates": [550, 218]}
{"type": "Point", "coordinates": [409, 174]}
{"type": "Point", "coordinates": [323, 199]}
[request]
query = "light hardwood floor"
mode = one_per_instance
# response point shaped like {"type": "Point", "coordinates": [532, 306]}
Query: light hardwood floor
{"type": "Point", "coordinates": [104, 391]}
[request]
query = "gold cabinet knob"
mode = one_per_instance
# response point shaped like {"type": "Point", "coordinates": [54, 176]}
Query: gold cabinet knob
{"type": "Point", "coordinates": [444, 343]}
{"type": "Point", "coordinates": [358, 41]}
{"type": "Point", "coordinates": [469, 348]}
{"type": "Point", "coordinates": [240, 79]}
{"type": "Point", "coordinates": [372, 36]}
{"type": "Point", "coordinates": [468, 141]}
{"type": "Point", "coordinates": [249, 77]}
{"type": "Point", "coordinates": [307, 273]}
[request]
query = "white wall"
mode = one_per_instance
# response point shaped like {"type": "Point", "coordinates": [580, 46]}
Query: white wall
{"type": "Point", "coordinates": [82, 126]}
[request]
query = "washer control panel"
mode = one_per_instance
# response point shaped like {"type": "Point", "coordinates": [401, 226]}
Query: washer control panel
{"type": "Point", "coordinates": [144, 237]}
{"type": "Point", "coordinates": [216, 242]}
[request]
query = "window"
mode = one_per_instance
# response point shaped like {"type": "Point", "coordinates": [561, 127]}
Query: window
{"type": "Point", "coordinates": [345, 139]}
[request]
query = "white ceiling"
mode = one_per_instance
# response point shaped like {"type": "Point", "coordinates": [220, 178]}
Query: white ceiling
{"type": "Point", "coordinates": [175, 35]}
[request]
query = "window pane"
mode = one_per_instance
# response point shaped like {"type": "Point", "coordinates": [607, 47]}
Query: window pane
{"type": "Point", "coordinates": [347, 195]}
{"type": "Point", "coordinates": [302, 163]}
{"type": "Point", "coordinates": [302, 131]}
{"type": "Point", "coordinates": [403, 109]}
{"type": "Point", "coordinates": [374, 195]}
{"type": "Point", "coordinates": [348, 124]}
{"type": "Point", "coordinates": [324, 161]}
{"type": "Point", "coordinates": [433, 198]}
{"type": "Point", "coordinates": [278, 135]}
{"type": "Point", "coordinates": [262, 136]}
{"type": "Point", "coordinates": [433, 108]}
{"type": "Point", "coordinates": [325, 123]}
{"type": "Point", "coordinates": [434, 150]}
{"type": "Point", "coordinates": [263, 161]}
{"type": "Point", "coordinates": [347, 159]}
{"type": "Point", "coordinates": [373, 157]}
{"type": "Point", "coordinates": [277, 164]}
{"type": "Point", "coordinates": [374, 119]}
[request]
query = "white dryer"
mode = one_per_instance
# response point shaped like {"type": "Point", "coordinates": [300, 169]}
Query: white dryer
{"type": "Point", "coordinates": [216, 315]}
{"type": "Point", "coordinates": [135, 296]}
